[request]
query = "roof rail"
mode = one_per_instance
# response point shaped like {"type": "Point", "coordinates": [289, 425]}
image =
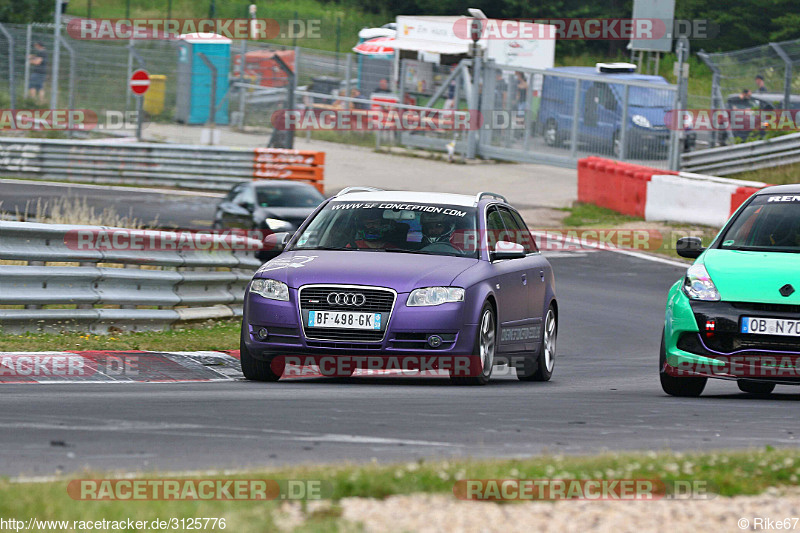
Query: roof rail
{"type": "Point", "coordinates": [348, 190]}
{"type": "Point", "coordinates": [484, 194]}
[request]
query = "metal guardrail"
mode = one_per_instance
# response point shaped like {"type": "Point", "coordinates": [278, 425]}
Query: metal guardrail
{"type": "Point", "coordinates": [725, 160]}
{"type": "Point", "coordinates": [154, 290]}
{"type": "Point", "coordinates": [173, 165]}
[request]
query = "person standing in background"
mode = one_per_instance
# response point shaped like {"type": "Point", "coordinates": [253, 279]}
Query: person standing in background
{"type": "Point", "coordinates": [38, 62]}
{"type": "Point", "coordinates": [761, 88]}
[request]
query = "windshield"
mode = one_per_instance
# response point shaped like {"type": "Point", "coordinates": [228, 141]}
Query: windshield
{"type": "Point", "coordinates": [646, 96]}
{"type": "Point", "coordinates": [769, 223]}
{"type": "Point", "coordinates": [288, 197]}
{"type": "Point", "coordinates": [434, 229]}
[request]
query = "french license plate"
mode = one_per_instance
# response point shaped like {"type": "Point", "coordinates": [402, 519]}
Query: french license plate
{"type": "Point", "coordinates": [771, 326]}
{"type": "Point", "coordinates": [344, 320]}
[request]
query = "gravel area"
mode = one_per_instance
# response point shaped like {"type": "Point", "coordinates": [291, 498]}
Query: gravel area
{"type": "Point", "coordinates": [436, 513]}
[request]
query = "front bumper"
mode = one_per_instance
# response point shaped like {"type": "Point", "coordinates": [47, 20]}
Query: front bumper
{"type": "Point", "coordinates": [406, 332]}
{"type": "Point", "coordinates": [704, 339]}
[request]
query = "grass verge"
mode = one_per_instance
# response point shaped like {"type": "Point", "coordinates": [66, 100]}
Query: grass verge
{"type": "Point", "coordinates": [726, 473]}
{"type": "Point", "coordinates": [781, 175]}
{"type": "Point", "coordinates": [656, 237]}
{"type": "Point", "coordinates": [213, 335]}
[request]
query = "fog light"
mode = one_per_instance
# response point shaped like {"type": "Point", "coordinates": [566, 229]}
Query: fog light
{"type": "Point", "coordinates": [434, 341]}
{"type": "Point", "coordinates": [262, 334]}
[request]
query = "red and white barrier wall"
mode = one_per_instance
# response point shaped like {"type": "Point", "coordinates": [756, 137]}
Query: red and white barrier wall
{"type": "Point", "coordinates": [655, 194]}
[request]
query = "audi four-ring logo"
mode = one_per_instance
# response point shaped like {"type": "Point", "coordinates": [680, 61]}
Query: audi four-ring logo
{"type": "Point", "coordinates": [347, 298]}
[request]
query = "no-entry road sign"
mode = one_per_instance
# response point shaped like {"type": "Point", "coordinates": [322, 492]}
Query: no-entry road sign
{"type": "Point", "coordinates": [139, 82]}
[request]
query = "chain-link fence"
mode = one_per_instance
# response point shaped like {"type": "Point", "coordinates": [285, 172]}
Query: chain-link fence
{"type": "Point", "coordinates": [554, 116]}
{"type": "Point", "coordinates": [769, 73]}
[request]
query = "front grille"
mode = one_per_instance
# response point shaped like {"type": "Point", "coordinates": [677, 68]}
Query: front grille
{"type": "Point", "coordinates": [377, 300]}
{"type": "Point", "coordinates": [769, 308]}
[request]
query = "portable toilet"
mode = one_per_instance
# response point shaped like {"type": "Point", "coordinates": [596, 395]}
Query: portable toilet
{"type": "Point", "coordinates": [193, 102]}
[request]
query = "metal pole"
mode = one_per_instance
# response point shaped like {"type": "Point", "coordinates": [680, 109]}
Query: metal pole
{"type": "Point", "coordinates": [12, 82]}
{"type": "Point", "coordinates": [242, 89]}
{"type": "Point", "coordinates": [623, 134]}
{"type": "Point", "coordinates": [347, 66]}
{"type": "Point", "coordinates": [169, 9]}
{"type": "Point", "coordinates": [130, 72]}
{"type": "Point", "coordinates": [128, 9]}
{"type": "Point", "coordinates": [89, 9]}
{"type": "Point", "coordinates": [338, 36]}
{"type": "Point", "coordinates": [72, 68]}
{"type": "Point", "coordinates": [787, 74]}
{"type": "Point", "coordinates": [139, 117]}
{"type": "Point", "coordinates": [56, 56]}
{"type": "Point", "coordinates": [294, 29]}
{"type": "Point", "coordinates": [27, 82]}
{"type": "Point", "coordinates": [576, 106]}
{"type": "Point", "coordinates": [716, 103]}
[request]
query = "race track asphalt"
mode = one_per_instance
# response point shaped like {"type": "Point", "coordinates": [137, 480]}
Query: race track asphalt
{"type": "Point", "coordinates": [176, 209]}
{"type": "Point", "coordinates": [604, 396]}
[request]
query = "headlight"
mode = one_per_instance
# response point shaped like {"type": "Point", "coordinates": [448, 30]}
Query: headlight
{"type": "Point", "coordinates": [276, 224]}
{"type": "Point", "coordinates": [269, 288]}
{"type": "Point", "coordinates": [641, 121]}
{"type": "Point", "coordinates": [434, 296]}
{"type": "Point", "coordinates": [698, 285]}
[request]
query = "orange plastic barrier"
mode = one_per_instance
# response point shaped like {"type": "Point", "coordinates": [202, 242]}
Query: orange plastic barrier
{"type": "Point", "coordinates": [279, 163]}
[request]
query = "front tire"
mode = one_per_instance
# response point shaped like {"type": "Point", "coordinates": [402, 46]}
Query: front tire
{"type": "Point", "coordinates": [755, 387]}
{"type": "Point", "coordinates": [690, 387]}
{"type": "Point", "coordinates": [256, 369]}
{"type": "Point", "coordinates": [485, 346]}
{"type": "Point", "coordinates": [541, 369]}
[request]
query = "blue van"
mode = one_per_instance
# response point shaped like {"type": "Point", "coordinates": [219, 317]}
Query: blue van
{"type": "Point", "coordinates": [600, 111]}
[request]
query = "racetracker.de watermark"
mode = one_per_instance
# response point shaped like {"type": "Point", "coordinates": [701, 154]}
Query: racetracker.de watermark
{"type": "Point", "coordinates": [198, 489]}
{"type": "Point", "coordinates": [122, 239]}
{"type": "Point", "coordinates": [733, 119]}
{"type": "Point", "coordinates": [763, 366]}
{"type": "Point", "coordinates": [581, 489]}
{"type": "Point", "coordinates": [557, 239]}
{"type": "Point", "coordinates": [605, 29]}
{"type": "Point", "coordinates": [211, 28]}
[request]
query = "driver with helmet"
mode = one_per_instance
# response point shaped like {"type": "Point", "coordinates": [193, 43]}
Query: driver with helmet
{"type": "Point", "coordinates": [371, 229]}
{"type": "Point", "coordinates": [436, 227]}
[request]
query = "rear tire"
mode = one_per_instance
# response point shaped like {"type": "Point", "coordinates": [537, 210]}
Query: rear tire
{"type": "Point", "coordinates": [690, 387]}
{"type": "Point", "coordinates": [256, 369]}
{"type": "Point", "coordinates": [541, 368]}
{"type": "Point", "coordinates": [485, 347]}
{"type": "Point", "coordinates": [755, 387]}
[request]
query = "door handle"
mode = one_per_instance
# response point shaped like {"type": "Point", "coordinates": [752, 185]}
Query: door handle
{"type": "Point", "coordinates": [524, 279]}
{"type": "Point", "coordinates": [541, 274]}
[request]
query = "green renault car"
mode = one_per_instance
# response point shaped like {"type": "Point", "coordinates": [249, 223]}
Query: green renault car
{"type": "Point", "coordinates": [736, 313]}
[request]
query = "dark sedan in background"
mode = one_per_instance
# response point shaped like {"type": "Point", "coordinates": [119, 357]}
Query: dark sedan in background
{"type": "Point", "coordinates": [274, 205]}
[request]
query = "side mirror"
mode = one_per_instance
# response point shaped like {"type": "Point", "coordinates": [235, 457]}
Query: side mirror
{"type": "Point", "coordinates": [273, 246]}
{"type": "Point", "coordinates": [247, 205]}
{"type": "Point", "coordinates": [507, 250]}
{"type": "Point", "coordinates": [689, 247]}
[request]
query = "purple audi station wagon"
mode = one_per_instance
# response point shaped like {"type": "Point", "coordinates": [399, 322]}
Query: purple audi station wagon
{"type": "Point", "coordinates": [375, 274]}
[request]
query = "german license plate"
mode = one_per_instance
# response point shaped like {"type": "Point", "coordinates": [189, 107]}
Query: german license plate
{"type": "Point", "coordinates": [771, 326]}
{"type": "Point", "coordinates": [344, 320]}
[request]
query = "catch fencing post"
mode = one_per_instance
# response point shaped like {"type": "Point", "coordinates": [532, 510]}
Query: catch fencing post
{"type": "Point", "coordinates": [787, 74]}
{"type": "Point", "coordinates": [26, 84]}
{"type": "Point", "coordinates": [56, 56]}
{"type": "Point", "coordinates": [12, 90]}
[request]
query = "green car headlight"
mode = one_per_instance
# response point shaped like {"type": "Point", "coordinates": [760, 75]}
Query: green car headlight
{"type": "Point", "coordinates": [434, 296]}
{"type": "Point", "coordinates": [698, 285]}
{"type": "Point", "coordinates": [270, 288]}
